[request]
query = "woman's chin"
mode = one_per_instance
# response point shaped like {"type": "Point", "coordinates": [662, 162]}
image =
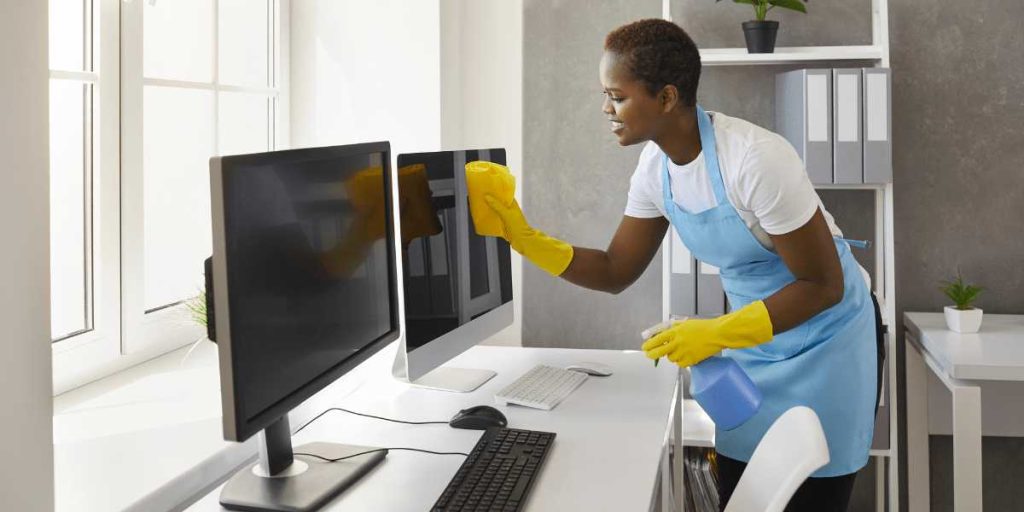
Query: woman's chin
{"type": "Point", "coordinates": [625, 140]}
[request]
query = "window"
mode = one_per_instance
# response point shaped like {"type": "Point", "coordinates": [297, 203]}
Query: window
{"type": "Point", "coordinates": [143, 93]}
{"type": "Point", "coordinates": [73, 109]}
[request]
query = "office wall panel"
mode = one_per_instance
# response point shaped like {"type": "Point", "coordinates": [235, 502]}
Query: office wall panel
{"type": "Point", "coordinates": [575, 175]}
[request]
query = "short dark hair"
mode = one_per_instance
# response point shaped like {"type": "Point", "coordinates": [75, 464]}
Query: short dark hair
{"type": "Point", "coordinates": [659, 53]}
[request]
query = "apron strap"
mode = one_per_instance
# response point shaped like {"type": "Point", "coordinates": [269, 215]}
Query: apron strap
{"type": "Point", "coordinates": [707, 143]}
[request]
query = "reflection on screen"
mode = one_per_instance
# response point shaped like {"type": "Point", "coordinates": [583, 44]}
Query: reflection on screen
{"type": "Point", "coordinates": [308, 270]}
{"type": "Point", "coordinates": [452, 275]}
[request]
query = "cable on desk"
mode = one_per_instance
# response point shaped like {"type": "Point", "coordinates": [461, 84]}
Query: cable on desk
{"type": "Point", "coordinates": [328, 459]}
{"type": "Point", "coordinates": [369, 416]}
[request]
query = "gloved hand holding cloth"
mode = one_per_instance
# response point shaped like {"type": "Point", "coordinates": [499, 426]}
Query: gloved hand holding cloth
{"type": "Point", "coordinates": [496, 213]}
{"type": "Point", "coordinates": [693, 340]}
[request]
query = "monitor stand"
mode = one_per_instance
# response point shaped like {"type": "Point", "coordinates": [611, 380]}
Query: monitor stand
{"type": "Point", "coordinates": [281, 481]}
{"type": "Point", "coordinates": [459, 380]}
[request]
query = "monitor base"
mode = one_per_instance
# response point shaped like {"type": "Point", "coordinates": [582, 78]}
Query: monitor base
{"type": "Point", "coordinates": [299, 491]}
{"type": "Point", "coordinates": [459, 380]}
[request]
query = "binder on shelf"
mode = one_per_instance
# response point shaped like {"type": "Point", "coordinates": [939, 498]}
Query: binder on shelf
{"type": "Point", "coordinates": [682, 278]}
{"type": "Point", "coordinates": [847, 149]}
{"type": "Point", "coordinates": [877, 87]}
{"type": "Point", "coordinates": [803, 115]}
{"type": "Point", "coordinates": [710, 294]}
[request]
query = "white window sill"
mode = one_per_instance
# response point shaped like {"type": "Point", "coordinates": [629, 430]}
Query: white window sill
{"type": "Point", "coordinates": [144, 438]}
{"type": "Point", "coordinates": [151, 438]}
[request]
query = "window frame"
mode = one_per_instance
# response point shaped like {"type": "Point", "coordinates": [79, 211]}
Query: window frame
{"type": "Point", "coordinates": [123, 335]}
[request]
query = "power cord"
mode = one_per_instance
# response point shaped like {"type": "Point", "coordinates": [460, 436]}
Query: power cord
{"type": "Point", "coordinates": [369, 416]}
{"type": "Point", "coordinates": [328, 459]}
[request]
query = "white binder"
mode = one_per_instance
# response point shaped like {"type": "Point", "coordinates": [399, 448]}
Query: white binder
{"type": "Point", "coordinates": [877, 125]}
{"type": "Point", "coordinates": [803, 115]}
{"type": "Point", "coordinates": [847, 150]}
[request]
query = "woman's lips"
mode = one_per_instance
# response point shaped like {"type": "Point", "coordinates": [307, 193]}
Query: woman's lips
{"type": "Point", "coordinates": [617, 126]}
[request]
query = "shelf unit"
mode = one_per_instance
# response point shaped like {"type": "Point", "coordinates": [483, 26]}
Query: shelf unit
{"type": "Point", "coordinates": [791, 55]}
{"type": "Point", "coordinates": [693, 426]}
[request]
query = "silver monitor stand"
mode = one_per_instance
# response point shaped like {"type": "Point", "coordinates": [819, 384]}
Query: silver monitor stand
{"type": "Point", "coordinates": [283, 481]}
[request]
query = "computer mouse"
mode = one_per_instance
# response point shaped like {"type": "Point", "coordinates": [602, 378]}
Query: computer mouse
{"type": "Point", "coordinates": [480, 417]}
{"type": "Point", "coordinates": [590, 368]}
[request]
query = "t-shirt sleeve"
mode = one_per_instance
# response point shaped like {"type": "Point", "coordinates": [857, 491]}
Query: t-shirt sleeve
{"type": "Point", "coordinates": [774, 186]}
{"type": "Point", "coordinates": [639, 202]}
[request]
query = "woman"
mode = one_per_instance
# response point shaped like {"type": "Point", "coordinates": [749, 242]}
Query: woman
{"type": "Point", "coordinates": [802, 323]}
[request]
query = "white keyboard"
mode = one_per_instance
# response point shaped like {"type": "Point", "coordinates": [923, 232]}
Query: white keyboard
{"type": "Point", "coordinates": [543, 387]}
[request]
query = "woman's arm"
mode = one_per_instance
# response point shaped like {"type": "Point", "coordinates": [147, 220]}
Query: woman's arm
{"type": "Point", "coordinates": [811, 256]}
{"type": "Point", "coordinates": [635, 243]}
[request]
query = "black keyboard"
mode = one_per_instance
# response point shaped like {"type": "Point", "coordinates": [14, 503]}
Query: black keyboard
{"type": "Point", "coordinates": [498, 472]}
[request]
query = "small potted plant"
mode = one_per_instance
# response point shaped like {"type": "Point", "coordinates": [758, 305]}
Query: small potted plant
{"type": "Point", "coordinates": [963, 317]}
{"type": "Point", "coordinates": [760, 33]}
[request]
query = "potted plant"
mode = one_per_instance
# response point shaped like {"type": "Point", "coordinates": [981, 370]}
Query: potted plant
{"type": "Point", "coordinates": [760, 33]}
{"type": "Point", "coordinates": [963, 317]}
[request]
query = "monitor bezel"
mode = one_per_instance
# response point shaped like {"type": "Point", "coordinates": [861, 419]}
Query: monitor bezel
{"type": "Point", "coordinates": [237, 425]}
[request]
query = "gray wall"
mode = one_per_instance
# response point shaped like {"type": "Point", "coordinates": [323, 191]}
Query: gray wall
{"type": "Point", "coordinates": [575, 175]}
{"type": "Point", "coordinates": [958, 84]}
{"type": "Point", "coordinates": [26, 477]}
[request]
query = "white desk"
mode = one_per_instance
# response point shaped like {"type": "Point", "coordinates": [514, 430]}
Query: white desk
{"type": "Point", "coordinates": [612, 433]}
{"type": "Point", "coordinates": [962, 362]}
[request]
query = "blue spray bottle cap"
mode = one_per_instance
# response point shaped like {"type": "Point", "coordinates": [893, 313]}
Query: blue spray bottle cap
{"type": "Point", "coordinates": [724, 391]}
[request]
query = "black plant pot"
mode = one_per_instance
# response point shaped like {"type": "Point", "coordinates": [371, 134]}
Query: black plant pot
{"type": "Point", "coordinates": [760, 36]}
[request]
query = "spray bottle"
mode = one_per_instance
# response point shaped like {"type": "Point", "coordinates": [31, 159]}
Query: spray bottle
{"type": "Point", "coordinates": [719, 385]}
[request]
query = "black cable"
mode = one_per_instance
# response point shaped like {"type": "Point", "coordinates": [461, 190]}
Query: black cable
{"type": "Point", "coordinates": [328, 459]}
{"type": "Point", "coordinates": [369, 416]}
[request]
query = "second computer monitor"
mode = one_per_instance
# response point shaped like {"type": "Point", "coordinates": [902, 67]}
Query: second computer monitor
{"type": "Point", "coordinates": [458, 285]}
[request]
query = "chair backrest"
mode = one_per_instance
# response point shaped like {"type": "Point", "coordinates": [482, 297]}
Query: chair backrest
{"type": "Point", "coordinates": [792, 449]}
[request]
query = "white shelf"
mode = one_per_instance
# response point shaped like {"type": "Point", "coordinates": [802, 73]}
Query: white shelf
{"type": "Point", "coordinates": [850, 186]}
{"type": "Point", "coordinates": [698, 429]}
{"type": "Point", "coordinates": [790, 55]}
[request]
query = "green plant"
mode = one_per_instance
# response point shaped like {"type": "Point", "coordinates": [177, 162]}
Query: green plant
{"type": "Point", "coordinates": [197, 308]}
{"type": "Point", "coordinates": [761, 7]}
{"type": "Point", "coordinates": [963, 295]}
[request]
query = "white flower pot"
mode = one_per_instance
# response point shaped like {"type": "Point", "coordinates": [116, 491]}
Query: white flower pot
{"type": "Point", "coordinates": [966, 321]}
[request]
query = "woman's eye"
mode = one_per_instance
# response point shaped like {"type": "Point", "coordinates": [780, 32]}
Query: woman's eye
{"type": "Point", "coordinates": [616, 99]}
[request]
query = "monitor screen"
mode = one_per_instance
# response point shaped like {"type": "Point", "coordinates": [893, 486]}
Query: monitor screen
{"type": "Point", "coordinates": [308, 248]}
{"type": "Point", "coordinates": [451, 275]}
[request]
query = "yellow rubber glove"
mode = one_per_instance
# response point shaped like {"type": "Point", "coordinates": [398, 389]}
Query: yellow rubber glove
{"type": "Point", "coordinates": [694, 340]}
{"type": "Point", "coordinates": [550, 254]}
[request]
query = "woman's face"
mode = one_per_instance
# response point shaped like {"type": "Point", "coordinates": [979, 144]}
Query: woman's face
{"type": "Point", "coordinates": [633, 112]}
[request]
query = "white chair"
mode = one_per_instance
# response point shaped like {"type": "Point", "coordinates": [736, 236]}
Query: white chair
{"type": "Point", "coordinates": [792, 449]}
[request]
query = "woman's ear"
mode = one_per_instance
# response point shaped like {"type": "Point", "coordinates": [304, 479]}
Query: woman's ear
{"type": "Point", "coordinates": [669, 98]}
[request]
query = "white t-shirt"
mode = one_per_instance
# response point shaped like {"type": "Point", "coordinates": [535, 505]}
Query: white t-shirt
{"type": "Point", "coordinates": [764, 178]}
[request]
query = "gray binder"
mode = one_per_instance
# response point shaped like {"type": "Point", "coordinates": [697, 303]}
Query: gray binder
{"type": "Point", "coordinates": [877, 135]}
{"type": "Point", "coordinates": [682, 278]}
{"type": "Point", "coordinates": [710, 295]}
{"type": "Point", "coordinates": [848, 151]}
{"type": "Point", "coordinates": [803, 115]}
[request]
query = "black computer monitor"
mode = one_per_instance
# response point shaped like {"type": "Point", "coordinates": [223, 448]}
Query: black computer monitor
{"type": "Point", "coordinates": [457, 284]}
{"type": "Point", "coordinates": [305, 289]}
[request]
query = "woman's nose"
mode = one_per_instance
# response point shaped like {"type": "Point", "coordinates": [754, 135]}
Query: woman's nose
{"type": "Point", "coordinates": [606, 105]}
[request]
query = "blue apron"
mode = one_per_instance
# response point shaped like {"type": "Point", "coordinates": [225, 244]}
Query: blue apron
{"type": "Point", "coordinates": [828, 363]}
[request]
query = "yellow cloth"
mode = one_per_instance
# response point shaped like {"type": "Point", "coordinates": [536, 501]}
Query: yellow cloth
{"type": "Point", "coordinates": [483, 178]}
{"type": "Point", "coordinates": [694, 340]}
